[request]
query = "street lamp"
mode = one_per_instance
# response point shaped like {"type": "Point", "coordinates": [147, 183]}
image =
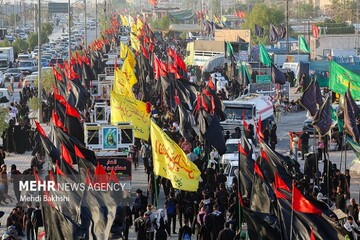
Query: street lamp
{"type": "Point", "coordinates": [39, 64]}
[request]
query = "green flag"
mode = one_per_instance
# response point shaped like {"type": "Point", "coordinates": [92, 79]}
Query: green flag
{"type": "Point", "coordinates": [229, 50]}
{"type": "Point", "coordinates": [303, 45]}
{"type": "Point", "coordinates": [341, 78]}
{"type": "Point", "coordinates": [335, 118]}
{"type": "Point", "coordinates": [264, 56]}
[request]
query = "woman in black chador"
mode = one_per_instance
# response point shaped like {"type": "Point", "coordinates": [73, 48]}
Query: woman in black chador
{"type": "Point", "coordinates": [8, 137]}
{"type": "Point", "coordinates": [19, 139]}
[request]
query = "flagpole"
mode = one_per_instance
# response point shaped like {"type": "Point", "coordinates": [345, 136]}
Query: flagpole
{"type": "Point", "coordinates": [342, 149]}
{"type": "Point", "coordinates": [292, 210]}
{"type": "Point", "coordinates": [345, 157]}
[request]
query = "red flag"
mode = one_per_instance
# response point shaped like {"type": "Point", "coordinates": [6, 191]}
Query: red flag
{"type": "Point", "coordinates": [312, 235]}
{"type": "Point", "coordinates": [100, 174]}
{"type": "Point", "coordinates": [66, 155]}
{"type": "Point", "coordinates": [78, 58]}
{"type": "Point", "coordinates": [85, 60]}
{"type": "Point", "coordinates": [263, 155]}
{"type": "Point", "coordinates": [279, 195]}
{"type": "Point", "coordinates": [211, 84]}
{"type": "Point", "coordinates": [72, 111]}
{"type": "Point", "coordinates": [57, 122]}
{"type": "Point", "coordinates": [171, 52]}
{"type": "Point", "coordinates": [279, 183]}
{"type": "Point", "coordinates": [78, 152]}
{"type": "Point", "coordinates": [242, 150]}
{"type": "Point", "coordinates": [57, 75]}
{"type": "Point", "coordinates": [153, 2]}
{"type": "Point", "coordinates": [173, 69]}
{"type": "Point", "coordinates": [179, 62]}
{"type": "Point", "coordinates": [144, 52]}
{"type": "Point", "coordinates": [315, 30]}
{"type": "Point", "coordinates": [240, 14]}
{"type": "Point", "coordinates": [40, 129]}
{"type": "Point", "coordinates": [58, 170]}
{"type": "Point", "coordinates": [156, 67]}
{"type": "Point", "coordinates": [246, 125]}
{"type": "Point", "coordinates": [113, 176]}
{"type": "Point", "coordinates": [258, 171]}
{"type": "Point", "coordinates": [260, 129]}
{"type": "Point", "coordinates": [60, 98]}
{"type": "Point", "coordinates": [301, 204]}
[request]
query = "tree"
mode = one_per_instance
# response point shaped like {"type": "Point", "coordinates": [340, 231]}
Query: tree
{"type": "Point", "coordinates": [303, 10]}
{"type": "Point", "coordinates": [343, 10]}
{"type": "Point", "coordinates": [33, 39]}
{"type": "Point", "coordinates": [47, 81]}
{"type": "Point", "coordinates": [20, 45]}
{"type": "Point", "coordinates": [216, 7]}
{"type": "Point", "coordinates": [47, 28]}
{"type": "Point", "coordinates": [162, 23]}
{"type": "Point", "coordinates": [5, 43]}
{"type": "Point", "coordinates": [13, 18]}
{"type": "Point", "coordinates": [4, 112]}
{"type": "Point", "coordinates": [263, 16]}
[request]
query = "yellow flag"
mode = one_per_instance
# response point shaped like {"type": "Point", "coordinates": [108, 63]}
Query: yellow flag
{"type": "Point", "coordinates": [139, 25]}
{"type": "Point", "coordinates": [171, 162]}
{"type": "Point", "coordinates": [121, 84]}
{"type": "Point", "coordinates": [134, 29]}
{"type": "Point", "coordinates": [124, 20]}
{"type": "Point", "coordinates": [131, 58]}
{"type": "Point", "coordinates": [127, 109]}
{"type": "Point", "coordinates": [123, 50]}
{"type": "Point", "coordinates": [129, 73]}
{"type": "Point", "coordinates": [135, 43]}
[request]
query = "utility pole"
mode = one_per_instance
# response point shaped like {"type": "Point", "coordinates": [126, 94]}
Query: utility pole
{"type": "Point", "coordinates": [357, 29]}
{"type": "Point", "coordinates": [96, 21]}
{"type": "Point", "coordinates": [287, 25]}
{"type": "Point", "coordinates": [39, 65]}
{"type": "Point", "coordinates": [85, 40]}
{"type": "Point", "coordinates": [69, 29]}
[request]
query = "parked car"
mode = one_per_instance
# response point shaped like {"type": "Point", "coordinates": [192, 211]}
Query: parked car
{"type": "Point", "coordinates": [230, 172]}
{"type": "Point", "coordinates": [28, 66]}
{"type": "Point", "coordinates": [15, 72]}
{"type": "Point", "coordinates": [2, 80]}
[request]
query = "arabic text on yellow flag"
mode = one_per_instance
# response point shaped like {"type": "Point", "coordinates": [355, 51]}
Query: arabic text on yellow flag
{"type": "Point", "coordinates": [129, 73]}
{"type": "Point", "coordinates": [124, 20]}
{"type": "Point", "coordinates": [171, 162]}
{"type": "Point", "coordinates": [131, 58]}
{"type": "Point", "coordinates": [121, 84]}
{"type": "Point", "coordinates": [123, 50]}
{"type": "Point", "coordinates": [127, 109]}
{"type": "Point", "coordinates": [139, 26]}
{"type": "Point", "coordinates": [135, 43]}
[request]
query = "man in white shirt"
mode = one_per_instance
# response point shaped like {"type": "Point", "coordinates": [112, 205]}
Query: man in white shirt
{"type": "Point", "coordinates": [352, 228]}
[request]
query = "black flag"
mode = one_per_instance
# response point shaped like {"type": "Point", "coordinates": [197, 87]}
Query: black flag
{"type": "Point", "coordinates": [322, 121]}
{"type": "Point", "coordinates": [277, 76]}
{"type": "Point", "coordinates": [311, 93]}
{"type": "Point", "coordinates": [274, 37]}
{"type": "Point", "coordinates": [212, 135]}
{"type": "Point", "coordinates": [259, 31]}
{"type": "Point", "coordinates": [351, 111]}
{"type": "Point", "coordinates": [281, 31]}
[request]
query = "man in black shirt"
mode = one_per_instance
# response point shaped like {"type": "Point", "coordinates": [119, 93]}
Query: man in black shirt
{"type": "Point", "coordinates": [304, 143]}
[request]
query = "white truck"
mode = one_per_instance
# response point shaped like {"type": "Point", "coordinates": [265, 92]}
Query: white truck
{"type": "Point", "coordinates": [6, 55]}
{"type": "Point", "coordinates": [250, 107]}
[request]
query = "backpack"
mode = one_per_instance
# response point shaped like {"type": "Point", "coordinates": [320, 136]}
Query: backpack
{"type": "Point", "coordinates": [186, 236]}
{"type": "Point", "coordinates": [170, 207]}
{"type": "Point", "coordinates": [147, 153]}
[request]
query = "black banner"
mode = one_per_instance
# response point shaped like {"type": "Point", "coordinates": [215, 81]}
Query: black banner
{"type": "Point", "coordinates": [121, 165]}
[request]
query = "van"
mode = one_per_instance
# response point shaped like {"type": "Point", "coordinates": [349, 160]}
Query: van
{"type": "Point", "coordinates": [22, 57]}
{"type": "Point", "coordinates": [232, 151]}
{"type": "Point", "coordinates": [230, 172]}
